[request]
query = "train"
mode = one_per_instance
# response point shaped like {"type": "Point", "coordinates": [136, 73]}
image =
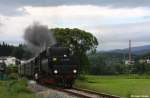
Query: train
{"type": "Point", "coordinates": [54, 65]}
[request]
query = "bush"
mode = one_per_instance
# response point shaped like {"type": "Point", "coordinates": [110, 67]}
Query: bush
{"type": "Point", "coordinates": [13, 76]}
{"type": "Point", "coordinates": [11, 69]}
{"type": "Point", "coordinates": [82, 77]}
{"type": "Point", "coordinates": [18, 86]}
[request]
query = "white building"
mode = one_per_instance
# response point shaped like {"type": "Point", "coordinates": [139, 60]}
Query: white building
{"type": "Point", "coordinates": [148, 61]}
{"type": "Point", "coordinates": [2, 59]}
{"type": "Point", "coordinates": [9, 60]}
{"type": "Point", "coordinates": [145, 60]}
{"type": "Point", "coordinates": [128, 62]}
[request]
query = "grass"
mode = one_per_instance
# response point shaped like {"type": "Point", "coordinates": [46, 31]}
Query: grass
{"type": "Point", "coordinates": [121, 85]}
{"type": "Point", "coordinates": [15, 89]}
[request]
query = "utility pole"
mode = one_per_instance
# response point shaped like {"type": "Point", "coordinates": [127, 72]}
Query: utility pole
{"type": "Point", "coordinates": [130, 59]}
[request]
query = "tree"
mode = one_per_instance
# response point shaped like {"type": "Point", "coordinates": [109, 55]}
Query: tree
{"type": "Point", "coordinates": [19, 52]}
{"type": "Point", "coordinates": [79, 41]}
{"type": "Point", "coordinates": [98, 64]}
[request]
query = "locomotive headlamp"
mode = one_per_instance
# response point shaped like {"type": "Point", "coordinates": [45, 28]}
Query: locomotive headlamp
{"type": "Point", "coordinates": [75, 71]}
{"type": "Point", "coordinates": [54, 59]}
{"type": "Point", "coordinates": [65, 55]}
{"type": "Point", "coordinates": [55, 71]}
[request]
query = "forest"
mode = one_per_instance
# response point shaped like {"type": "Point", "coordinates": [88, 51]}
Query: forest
{"type": "Point", "coordinates": [20, 51]}
{"type": "Point", "coordinates": [112, 63]}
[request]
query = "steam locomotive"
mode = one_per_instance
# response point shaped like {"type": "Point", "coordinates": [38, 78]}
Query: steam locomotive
{"type": "Point", "coordinates": [55, 65]}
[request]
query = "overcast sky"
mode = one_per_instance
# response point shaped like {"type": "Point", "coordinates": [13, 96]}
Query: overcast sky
{"type": "Point", "coordinates": [113, 22]}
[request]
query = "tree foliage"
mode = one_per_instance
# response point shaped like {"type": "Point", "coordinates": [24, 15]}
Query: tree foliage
{"type": "Point", "coordinates": [17, 51]}
{"type": "Point", "coordinates": [79, 41]}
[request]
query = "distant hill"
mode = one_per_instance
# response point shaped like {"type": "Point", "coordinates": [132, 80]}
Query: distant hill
{"type": "Point", "coordinates": [135, 50]}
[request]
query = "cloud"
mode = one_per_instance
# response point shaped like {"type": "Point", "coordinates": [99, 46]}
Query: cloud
{"type": "Point", "coordinates": [1, 24]}
{"type": "Point", "coordinates": [113, 3]}
{"type": "Point", "coordinates": [86, 10]}
{"type": "Point", "coordinates": [112, 26]}
{"type": "Point", "coordinates": [123, 32]}
{"type": "Point", "coordinates": [8, 7]}
{"type": "Point", "coordinates": [117, 36]}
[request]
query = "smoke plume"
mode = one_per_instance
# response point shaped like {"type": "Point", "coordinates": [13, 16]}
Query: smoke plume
{"type": "Point", "coordinates": [38, 37]}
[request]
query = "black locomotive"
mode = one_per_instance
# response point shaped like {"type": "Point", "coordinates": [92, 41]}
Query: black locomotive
{"type": "Point", "coordinates": [55, 65]}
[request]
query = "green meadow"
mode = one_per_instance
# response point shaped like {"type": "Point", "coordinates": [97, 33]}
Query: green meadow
{"type": "Point", "coordinates": [121, 85]}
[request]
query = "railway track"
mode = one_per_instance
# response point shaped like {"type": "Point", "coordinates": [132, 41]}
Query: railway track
{"type": "Point", "coordinates": [76, 92]}
{"type": "Point", "coordinates": [83, 93]}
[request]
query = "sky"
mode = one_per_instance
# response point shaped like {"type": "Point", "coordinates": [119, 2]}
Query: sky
{"type": "Point", "coordinates": [112, 22]}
